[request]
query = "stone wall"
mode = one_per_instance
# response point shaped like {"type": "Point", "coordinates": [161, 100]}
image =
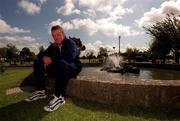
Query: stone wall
{"type": "Point", "coordinates": [136, 92]}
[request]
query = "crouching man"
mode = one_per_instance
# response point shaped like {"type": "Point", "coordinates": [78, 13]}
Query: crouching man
{"type": "Point", "coordinates": [60, 61]}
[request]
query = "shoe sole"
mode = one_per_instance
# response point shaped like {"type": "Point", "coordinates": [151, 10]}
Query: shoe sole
{"type": "Point", "coordinates": [60, 104]}
{"type": "Point", "coordinates": [42, 97]}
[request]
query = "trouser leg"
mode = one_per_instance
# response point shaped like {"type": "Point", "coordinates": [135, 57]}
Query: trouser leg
{"type": "Point", "coordinates": [62, 77]}
{"type": "Point", "coordinates": [39, 74]}
{"type": "Point", "coordinates": [62, 72]}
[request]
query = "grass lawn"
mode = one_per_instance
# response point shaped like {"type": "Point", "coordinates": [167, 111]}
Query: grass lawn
{"type": "Point", "coordinates": [14, 108]}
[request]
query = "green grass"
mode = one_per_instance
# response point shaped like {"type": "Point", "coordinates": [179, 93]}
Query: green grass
{"type": "Point", "coordinates": [14, 108]}
{"type": "Point", "coordinates": [12, 78]}
{"type": "Point", "coordinates": [7, 64]}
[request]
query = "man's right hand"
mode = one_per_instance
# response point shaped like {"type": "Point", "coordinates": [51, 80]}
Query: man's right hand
{"type": "Point", "coordinates": [47, 61]}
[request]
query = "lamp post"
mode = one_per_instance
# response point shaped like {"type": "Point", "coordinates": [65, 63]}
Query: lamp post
{"type": "Point", "coordinates": [119, 44]}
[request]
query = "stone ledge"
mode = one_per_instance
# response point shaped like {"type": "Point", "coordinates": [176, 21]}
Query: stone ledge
{"type": "Point", "coordinates": [130, 92]}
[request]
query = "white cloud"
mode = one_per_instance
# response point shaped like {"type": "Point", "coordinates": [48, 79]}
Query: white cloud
{"type": "Point", "coordinates": [91, 27]}
{"type": "Point", "coordinates": [110, 8]}
{"type": "Point", "coordinates": [68, 8]}
{"type": "Point", "coordinates": [94, 47]}
{"type": "Point", "coordinates": [114, 29]}
{"type": "Point", "coordinates": [113, 9]}
{"type": "Point", "coordinates": [101, 5]}
{"type": "Point", "coordinates": [16, 39]}
{"type": "Point", "coordinates": [42, 1]}
{"type": "Point", "coordinates": [85, 24]}
{"type": "Point", "coordinates": [157, 14]}
{"type": "Point", "coordinates": [90, 13]}
{"type": "Point", "coordinates": [118, 12]}
{"type": "Point", "coordinates": [108, 11]}
{"type": "Point", "coordinates": [6, 28]}
{"type": "Point", "coordinates": [137, 47]}
{"type": "Point", "coordinates": [20, 42]}
{"type": "Point", "coordinates": [82, 24]}
{"type": "Point", "coordinates": [31, 8]}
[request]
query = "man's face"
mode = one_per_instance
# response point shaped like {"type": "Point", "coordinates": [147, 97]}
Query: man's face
{"type": "Point", "coordinates": [58, 35]}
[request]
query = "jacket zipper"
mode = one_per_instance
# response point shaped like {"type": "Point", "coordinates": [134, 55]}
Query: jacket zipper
{"type": "Point", "coordinates": [59, 46]}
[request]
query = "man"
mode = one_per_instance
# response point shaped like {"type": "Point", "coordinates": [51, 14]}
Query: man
{"type": "Point", "coordinates": [61, 61]}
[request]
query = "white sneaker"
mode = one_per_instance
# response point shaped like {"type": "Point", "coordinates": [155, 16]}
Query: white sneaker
{"type": "Point", "coordinates": [55, 103]}
{"type": "Point", "coordinates": [36, 96]}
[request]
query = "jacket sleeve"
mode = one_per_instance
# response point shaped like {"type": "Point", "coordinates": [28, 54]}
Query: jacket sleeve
{"type": "Point", "coordinates": [47, 52]}
{"type": "Point", "coordinates": [73, 51]}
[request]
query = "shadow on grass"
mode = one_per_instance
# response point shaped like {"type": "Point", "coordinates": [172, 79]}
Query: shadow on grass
{"type": "Point", "coordinates": [160, 113]}
{"type": "Point", "coordinates": [23, 111]}
{"type": "Point", "coordinates": [27, 85]}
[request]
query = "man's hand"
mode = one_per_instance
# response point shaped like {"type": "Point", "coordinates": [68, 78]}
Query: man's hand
{"type": "Point", "coordinates": [47, 61]}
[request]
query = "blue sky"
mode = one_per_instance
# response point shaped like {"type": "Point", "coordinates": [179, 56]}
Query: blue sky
{"type": "Point", "coordinates": [98, 23]}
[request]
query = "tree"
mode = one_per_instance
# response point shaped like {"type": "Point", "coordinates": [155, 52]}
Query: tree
{"type": "Point", "coordinates": [90, 55]}
{"type": "Point", "coordinates": [25, 55]}
{"type": "Point", "coordinates": [160, 49]}
{"type": "Point", "coordinates": [102, 52]}
{"type": "Point", "coordinates": [145, 55]}
{"type": "Point", "coordinates": [166, 34]}
{"type": "Point", "coordinates": [12, 53]}
{"type": "Point", "coordinates": [41, 50]}
{"type": "Point", "coordinates": [33, 56]}
{"type": "Point", "coordinates": [131, 53]}
{"type": "Point", "coordinates": [3, 52]}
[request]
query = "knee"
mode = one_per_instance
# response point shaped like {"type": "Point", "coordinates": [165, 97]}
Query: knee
{"type": "Point", "coordinates": [61, 68]}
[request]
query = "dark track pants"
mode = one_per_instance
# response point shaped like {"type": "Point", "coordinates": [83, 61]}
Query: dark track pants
{"type": "Point", "coordinates": [61, 72]}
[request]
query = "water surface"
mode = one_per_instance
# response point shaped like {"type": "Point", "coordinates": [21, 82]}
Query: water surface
{"type": "Point", "coordinates": [145, 74]}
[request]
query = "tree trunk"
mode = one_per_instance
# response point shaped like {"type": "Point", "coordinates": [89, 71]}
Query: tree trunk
{"type": "Point", "coordinates": [164, 60]}
{"type": "Point", "coordinates": [129, 60]}
{"type": "Point", "coordinates": [176, 57]}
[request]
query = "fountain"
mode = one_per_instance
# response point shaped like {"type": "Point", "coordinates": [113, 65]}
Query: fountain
{"type": "Point", "coordinates": [113, 64]}
{"type": "Point", "coordinates": [150, 87]}
{"type": "Point", "coordinates": [133, 87]}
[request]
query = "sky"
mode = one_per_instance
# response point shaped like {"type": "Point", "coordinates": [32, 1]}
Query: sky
{"type": "Point", "coordinates": [98, 23]}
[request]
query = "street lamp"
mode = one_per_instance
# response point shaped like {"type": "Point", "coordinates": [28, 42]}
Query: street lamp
{"type": "Point", "coordinates": [119, 44]}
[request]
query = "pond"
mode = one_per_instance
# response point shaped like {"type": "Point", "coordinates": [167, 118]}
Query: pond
{"type": "Point", "coordinates": [145, 74]}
